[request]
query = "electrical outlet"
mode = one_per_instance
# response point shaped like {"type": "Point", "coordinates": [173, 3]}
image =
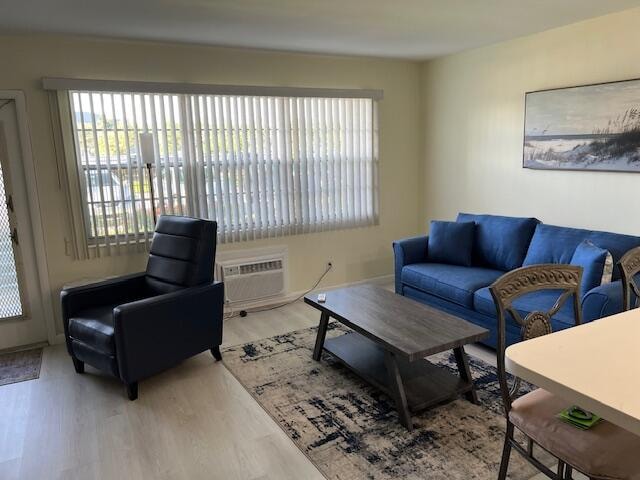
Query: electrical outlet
{"type": "Point", "coordinates": [329, 264]}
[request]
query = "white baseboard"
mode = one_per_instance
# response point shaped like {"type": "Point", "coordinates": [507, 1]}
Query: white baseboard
{"type": "Point", "coordinates": [268, 302]}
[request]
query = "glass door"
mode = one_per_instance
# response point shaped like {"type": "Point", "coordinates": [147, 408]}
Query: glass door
{"type": "Point", "coordinates": [11, 292]}
{"type": "Point", "coordinates": [22, 321]}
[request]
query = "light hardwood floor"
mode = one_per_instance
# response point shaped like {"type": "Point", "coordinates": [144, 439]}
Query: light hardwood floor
{"type": "Point", "coordinates": [194, 421]}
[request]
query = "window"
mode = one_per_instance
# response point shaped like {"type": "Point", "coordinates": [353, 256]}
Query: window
{"type": "Point", "coordinates": [259, 165]}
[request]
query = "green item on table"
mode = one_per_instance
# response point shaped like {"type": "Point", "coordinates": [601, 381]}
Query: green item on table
{"type": "Point", "coordinates": [579, 417]}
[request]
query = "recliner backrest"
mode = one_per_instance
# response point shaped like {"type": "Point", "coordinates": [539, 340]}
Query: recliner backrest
{"type": "Point", "coordinates": [182, 254]}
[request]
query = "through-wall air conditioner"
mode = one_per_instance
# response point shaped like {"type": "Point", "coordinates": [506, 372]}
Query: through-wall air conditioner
{"type": "Point", "coordinates": [252, 276]}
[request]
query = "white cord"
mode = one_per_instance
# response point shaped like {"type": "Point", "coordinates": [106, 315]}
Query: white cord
{"type": "Point", "coordinates": [234, 313]}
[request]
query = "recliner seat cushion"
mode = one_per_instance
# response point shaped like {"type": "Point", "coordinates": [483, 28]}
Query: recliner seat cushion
{"type": "Point", "coordinates": [501, 243]}
{"type": "Point", "coordinates": [451, 282]}
{"type": "Point", "coordinates": [94, 327]}
{"type": "Point", "coordinates": [95, 358]}
{"type": "Point", "coordinates": [537, 301]}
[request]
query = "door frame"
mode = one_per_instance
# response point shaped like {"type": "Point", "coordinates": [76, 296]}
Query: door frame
{"type": "Point", "coordinates": [29, 172]}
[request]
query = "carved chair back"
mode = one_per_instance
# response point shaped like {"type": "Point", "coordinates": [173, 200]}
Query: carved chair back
{"type": "Point", "coordinates": [507, 289]}
{"type": "Point", "coordinates": [629, 269]}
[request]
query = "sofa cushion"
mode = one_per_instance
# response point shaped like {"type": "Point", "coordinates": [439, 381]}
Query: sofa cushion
{"type": "Point", "coordinates": [593, 260]}
{"type": "Point", "coordinates": [536, 301]}
{"type": "Point", "coordinates": [501, 243]}
{"type": "Point", "coordinates": [553, 244]}
{"type": "Point", "coordinates": [94, 327]}
{"type": "Point", "coordinates": [451, 242]}
{"type": "Point", "coordinates": [450, 282]}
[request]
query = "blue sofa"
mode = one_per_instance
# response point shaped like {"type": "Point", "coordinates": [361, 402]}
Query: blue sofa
{"type": "Point", "coordinates": [502, 244]}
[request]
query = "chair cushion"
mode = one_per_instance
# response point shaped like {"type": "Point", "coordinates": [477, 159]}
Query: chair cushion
{"type": "Point", "coordinates": [450, 282]}
{"type": "Point", "coordinates": [592, 259]}
{"type": "Point", "coordinates": [603, 451]}
{"type": "Point", "coordinates": [501, 243]}
{"type": "Point", "coordinates": [102, 361]}
{"type": "Point", "coordinates": [451, 242]}
{"type": "Point", "coordinates": [537, 301]}
{"type": "Point", "coordinates": [181, 255]}
{"type": "Point", "coordinates": [94, 327]}
{"type": "Point", "coordinates": [553, 244]}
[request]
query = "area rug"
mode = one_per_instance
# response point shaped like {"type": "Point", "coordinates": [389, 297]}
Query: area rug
{"type": "Point", "coordinates": [20, 366]}
{"type": "Point", "coordinates": [350, 430]}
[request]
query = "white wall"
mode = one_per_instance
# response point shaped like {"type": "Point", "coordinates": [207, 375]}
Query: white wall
{"type": "Point", "coordinates": [473, 107]}
{"type": "Point", "coordinates": [356, 254]}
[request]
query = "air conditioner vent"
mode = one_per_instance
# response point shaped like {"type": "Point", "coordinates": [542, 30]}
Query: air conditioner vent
{"type": "Point", "coordinates": [252, 279]}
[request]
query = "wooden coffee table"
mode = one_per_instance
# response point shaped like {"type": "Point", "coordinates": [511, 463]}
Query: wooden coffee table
{"type": "Point", "coordinates": [391, 337]}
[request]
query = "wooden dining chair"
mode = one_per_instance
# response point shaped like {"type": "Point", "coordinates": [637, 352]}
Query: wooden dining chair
{"type": "Point", "coordinates": [629, 268]}
{"type": "Point", "coordinates": [603, 452]}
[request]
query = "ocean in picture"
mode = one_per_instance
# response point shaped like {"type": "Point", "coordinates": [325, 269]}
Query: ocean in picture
{"type": "Point", "coordinates": [593, 127]}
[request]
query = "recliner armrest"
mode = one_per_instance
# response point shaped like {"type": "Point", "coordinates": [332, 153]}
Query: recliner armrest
{"type": "Point", "coordinates": [156, 333]}
{"type": "Point", "coordinates": [114, 290]}
{"type": "Point", "coordinates": [407, 251]}
{"type": "Point", "coordinates": [602, 301]}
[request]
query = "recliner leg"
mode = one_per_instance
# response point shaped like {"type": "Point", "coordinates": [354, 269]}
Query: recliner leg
{"type": "Point", "coordinates": [78, 365]}
{"type": "Point", "coordinates": [132, 390]}
{"type": "Point", "coordinates": [215, 351]}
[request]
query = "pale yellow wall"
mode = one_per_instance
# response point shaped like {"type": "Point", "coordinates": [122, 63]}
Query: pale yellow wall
{"type": "Point", "coordinates": [356, 254]}
{"type": "Point", "coordinates": [473, 106]}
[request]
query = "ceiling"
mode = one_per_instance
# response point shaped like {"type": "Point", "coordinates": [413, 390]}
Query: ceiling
{"type": "Point", "coordinates": [414, 29]}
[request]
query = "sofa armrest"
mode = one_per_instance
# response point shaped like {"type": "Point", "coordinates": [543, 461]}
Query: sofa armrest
{"type": "Point", "coordinates": [408, 251]}
{"type": "Point", "coordinates": [156, 333]}
{"type": "Point", "coordinates": [602, 301]}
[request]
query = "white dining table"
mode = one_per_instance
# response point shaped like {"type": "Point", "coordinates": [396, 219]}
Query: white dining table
{"type": "Point", "coordinates": [595, 366]}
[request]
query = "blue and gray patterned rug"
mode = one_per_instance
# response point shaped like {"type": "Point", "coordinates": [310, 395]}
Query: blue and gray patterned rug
{"type": "Point", "coordinates": [350, 430]}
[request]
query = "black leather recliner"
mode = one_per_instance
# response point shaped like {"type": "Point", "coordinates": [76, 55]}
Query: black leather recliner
{"type": "Point", "coordinates": [139, 325]}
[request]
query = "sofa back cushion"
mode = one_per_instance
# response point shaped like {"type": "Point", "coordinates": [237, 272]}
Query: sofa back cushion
{"type": "Point", "coordinates": [500, 242]}
{"type": "Point", "coordinates": [553, 244]}
{"type": "Point", "coordinates": [451, 242]}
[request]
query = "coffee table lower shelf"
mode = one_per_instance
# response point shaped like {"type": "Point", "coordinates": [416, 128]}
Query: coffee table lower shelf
{"type": "Point", "coordinates": [424, 383]}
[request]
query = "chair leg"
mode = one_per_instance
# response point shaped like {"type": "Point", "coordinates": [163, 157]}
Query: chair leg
{"type": "Point", "coordinates": [215, 351]}
{"type": "Point", "coordinates": [561, 469]}
{"type": "Point", "coordinates": [132, 390]}
{"type": "Point", "coordinates": [568, 473]}
{"type": "Point", "coordinates": [78, 365]}
{"type": "Point", "coordinates": [506, 452]}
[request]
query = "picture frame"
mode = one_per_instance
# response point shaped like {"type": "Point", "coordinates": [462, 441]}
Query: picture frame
{"type": "Point", "coordinates": [593, 127]}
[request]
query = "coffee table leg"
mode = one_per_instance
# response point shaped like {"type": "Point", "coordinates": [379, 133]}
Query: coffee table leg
{"type": "Point", "coordinates": [465, 373]}
{"type": "Point", "coordinates": [322, 332]}
{"type": "Point", "coordinates": [397, 388]}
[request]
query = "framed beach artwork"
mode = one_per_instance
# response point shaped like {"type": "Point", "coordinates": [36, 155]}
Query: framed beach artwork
{"type": "Point", "coordinates": [591, 127]}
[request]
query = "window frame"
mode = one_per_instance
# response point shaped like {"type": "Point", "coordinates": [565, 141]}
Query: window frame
{"type": "Point", "coordinates": [84, 239]}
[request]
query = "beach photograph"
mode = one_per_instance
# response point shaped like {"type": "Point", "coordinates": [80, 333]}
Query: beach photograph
{"type": "Point", "coordinates": [594, 127]}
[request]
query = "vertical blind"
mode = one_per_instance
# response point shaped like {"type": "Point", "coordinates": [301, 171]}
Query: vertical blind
{"type": "Point", "coordinates": [260, 166]}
